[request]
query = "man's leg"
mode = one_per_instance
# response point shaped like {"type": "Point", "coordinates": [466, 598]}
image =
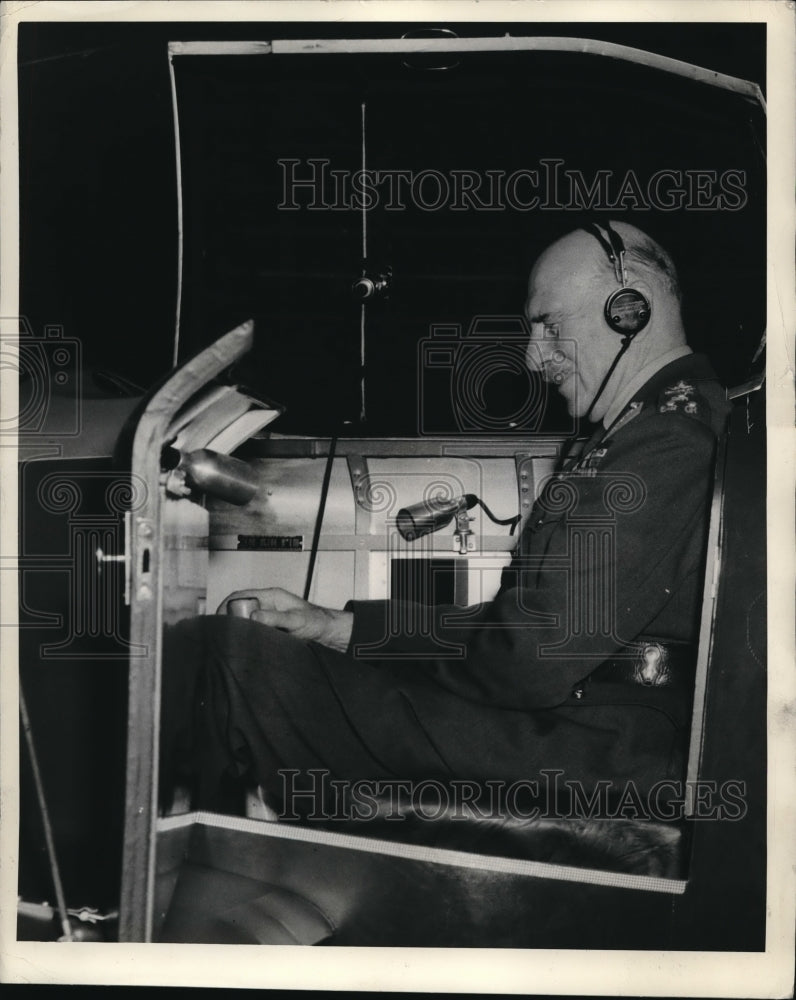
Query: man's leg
{"type": "Point", "coordinates": [241, 699]}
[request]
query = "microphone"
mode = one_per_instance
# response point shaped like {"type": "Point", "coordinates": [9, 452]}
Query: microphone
{"type": "Point", "coordinates": [430, 515]}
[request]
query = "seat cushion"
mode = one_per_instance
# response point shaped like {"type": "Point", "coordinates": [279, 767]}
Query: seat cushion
{"type": "Point", "coordinates": [604, 840]}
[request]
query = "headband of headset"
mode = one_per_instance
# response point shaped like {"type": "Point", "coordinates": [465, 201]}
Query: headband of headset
{"type": "Point", "coordinates": [626, 310]}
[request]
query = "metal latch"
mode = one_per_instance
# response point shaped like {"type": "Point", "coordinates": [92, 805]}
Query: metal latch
{"type": "Point", "coordinates": [123, 557]}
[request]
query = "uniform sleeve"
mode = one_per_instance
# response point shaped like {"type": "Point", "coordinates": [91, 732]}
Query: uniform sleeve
{"type": "Point", "coordinates": [608, 550]}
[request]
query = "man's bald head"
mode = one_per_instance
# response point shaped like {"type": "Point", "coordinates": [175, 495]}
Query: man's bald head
{"type": "Point", "coordinates": [568, 288]}
{"type": "Point", "coordinates": [581, 256]}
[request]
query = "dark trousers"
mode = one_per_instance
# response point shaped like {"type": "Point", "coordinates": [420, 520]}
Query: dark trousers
{"type": "Point", "coordinates": [242, 702]}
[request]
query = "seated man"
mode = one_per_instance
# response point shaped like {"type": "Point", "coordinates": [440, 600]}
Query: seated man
{"type": "Point", "coordinates": [583, 662]}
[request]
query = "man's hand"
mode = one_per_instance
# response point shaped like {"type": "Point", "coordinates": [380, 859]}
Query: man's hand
{"type": "Point", "coordinates": [310, 622]}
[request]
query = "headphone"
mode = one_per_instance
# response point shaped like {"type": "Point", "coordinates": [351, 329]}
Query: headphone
{"type": "Point", "coordinates": [626, 310]}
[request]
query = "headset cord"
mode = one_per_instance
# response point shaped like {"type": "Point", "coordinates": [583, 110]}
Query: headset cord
{"type": "Point", "coordinates": [626, 342]}
{"type": "Point", "coordinates": [316, 535]}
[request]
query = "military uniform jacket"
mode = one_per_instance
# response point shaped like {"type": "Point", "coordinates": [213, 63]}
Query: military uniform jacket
{"type": "Point", "coordinates": [613, 550]}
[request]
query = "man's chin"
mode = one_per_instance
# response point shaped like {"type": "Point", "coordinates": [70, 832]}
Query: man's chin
{"type": "Point", "coordinates": [576, 405]}
{"type": "Point", "coordinates": [573, 407]}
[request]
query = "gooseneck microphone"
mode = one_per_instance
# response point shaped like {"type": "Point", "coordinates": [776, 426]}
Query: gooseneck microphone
{"type": "Point", "coordinates": [430, 515]}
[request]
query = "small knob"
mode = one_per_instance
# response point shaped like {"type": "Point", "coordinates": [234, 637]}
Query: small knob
{"type": "Point", "coordinates": [364, 288]}
{"type": "Point", "coordinates": [243, 607]}
{"type": "Point", "coordinates": [369, 286]}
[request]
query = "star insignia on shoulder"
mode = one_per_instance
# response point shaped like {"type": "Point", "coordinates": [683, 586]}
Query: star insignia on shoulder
{"type": "Point", "coordinates": [681, 397]}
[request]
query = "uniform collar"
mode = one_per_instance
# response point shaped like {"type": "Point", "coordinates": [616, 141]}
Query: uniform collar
{"type": "Point", "coordinates": [694, 367]}
{"type": "Point", "coordinates": [636, 389]}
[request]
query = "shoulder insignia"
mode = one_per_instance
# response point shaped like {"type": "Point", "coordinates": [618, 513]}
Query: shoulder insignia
{"type": "Point", "coordinates": [681, 397]}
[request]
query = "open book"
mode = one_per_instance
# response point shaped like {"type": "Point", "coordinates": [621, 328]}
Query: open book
{"type": "Point", "coordinates": [221, 418]}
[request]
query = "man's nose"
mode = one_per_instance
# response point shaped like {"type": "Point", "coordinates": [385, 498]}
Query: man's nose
{"type": "Point", "coordinates": [533, 357]}
{"type": "Point", "coordinates": [545, 358]}
{"type": "Point", "coordinates": [536, 353]}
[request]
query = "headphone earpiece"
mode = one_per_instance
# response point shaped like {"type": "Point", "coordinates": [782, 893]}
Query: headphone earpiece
{"type": "Point", "coordinates": [627, 311]}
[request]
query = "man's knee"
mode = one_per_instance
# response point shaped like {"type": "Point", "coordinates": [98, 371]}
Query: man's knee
{"type": "Point", "coordinates": [229, 655]}
{"type": "Point", "coordinates": [223, 634]}
{"type": "Point", "coordinates": [231, 636]}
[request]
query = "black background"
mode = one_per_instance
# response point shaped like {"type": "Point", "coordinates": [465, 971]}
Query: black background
{"type": "Point", "coordinates": [98, 198]}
